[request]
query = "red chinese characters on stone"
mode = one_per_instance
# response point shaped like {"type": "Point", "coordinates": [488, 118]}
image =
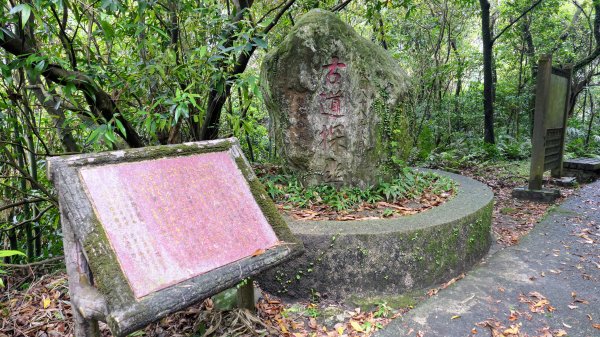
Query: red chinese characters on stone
{"type": "Point", "coordinates": [331, 104]}
{"type": "Point", "coordinates": [332, 74]}
{"type": "Point", "coordinates": [333, 172]}
{"type": "Point", "coordinates": [332, 137]}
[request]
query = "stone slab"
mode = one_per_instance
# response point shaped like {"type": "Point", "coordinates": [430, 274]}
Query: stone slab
{"type": "Point", "coordinates": [566, 181]}
{"type": "Point", "coordinates": [171, 219]}
{"type": "Point", "coordinates": [336, 102]}
{"type": "Point", "coordinates": [586, 164]}
{"type": "Point", "coordinates": [543, 195]}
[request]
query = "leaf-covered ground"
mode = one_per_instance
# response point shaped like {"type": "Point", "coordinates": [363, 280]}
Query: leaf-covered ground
{"type": "Point", "coordinates": [36, 302]}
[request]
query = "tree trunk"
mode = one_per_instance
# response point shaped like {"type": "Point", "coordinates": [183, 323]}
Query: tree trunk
{"type": "Point", "coordinates": [488, 92]}
{"type": "Point", "coordinates": [589, 130]}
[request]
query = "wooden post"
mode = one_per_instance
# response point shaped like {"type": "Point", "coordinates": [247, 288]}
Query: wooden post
{"type": "Point", "coordinates": [77, 270]}
{"type": "Point", "coordinates": [558, 172]}
{"type": "Point", "coordinates": [536, 171]}
{"type": "Point", "coordinates": [245, 295]}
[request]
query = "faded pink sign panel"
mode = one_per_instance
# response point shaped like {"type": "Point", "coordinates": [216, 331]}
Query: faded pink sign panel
{"type": "Point", "coordinates": [171, 219]}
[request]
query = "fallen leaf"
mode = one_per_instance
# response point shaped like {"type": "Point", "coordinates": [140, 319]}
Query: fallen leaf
{"type": "Point", "coordinates": [356, 326]}
{"type": "Point", "coordinates": [312, 323]}
{"type": "Point", "coordinates": [596, 325]}
{"type": "Point", "coordinates": [537, 295]}
{"type": "Point", "coordinates": [455, 317]}
{"type": "Point", "coordinates": [513, 330]}
{"type": "Point", "coordinates": [560, 333]}
{"type": "Point", "coordinates": [46, 302]}
{"type": "Point", "coordinates": [282, 327]}
{"type": "Point", "coordinates": [258, 252]}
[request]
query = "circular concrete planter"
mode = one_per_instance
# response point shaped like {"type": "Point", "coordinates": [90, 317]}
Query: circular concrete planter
{"type": "Point", "coordinates": [374, 258]}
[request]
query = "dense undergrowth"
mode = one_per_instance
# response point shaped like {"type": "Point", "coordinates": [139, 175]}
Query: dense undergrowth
{"type": "Point", "coordinates": [288, 191]}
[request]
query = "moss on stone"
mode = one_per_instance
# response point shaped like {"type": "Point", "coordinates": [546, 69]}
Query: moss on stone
{"type": "Point", "coordinates": [479, 238]}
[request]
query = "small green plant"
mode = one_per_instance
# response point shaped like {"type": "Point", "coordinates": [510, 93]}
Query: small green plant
{"type": "Point", "coordinates": [312, 310]}
{"type": "Point", "coordinates": [7, 253]}
{"type": "Point", "coordinates": [409, 184]}
{"type": "Point", "coordinates": [383, 310]}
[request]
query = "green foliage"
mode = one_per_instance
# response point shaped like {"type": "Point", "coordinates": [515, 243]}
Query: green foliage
{"type": "Point", "coordinates": [409, 184]}
{"type": "Point", "coordinates": [465, 152]}
{"type": "Point", "coordinates": [583, 136]}
{"type": "Point", "coordinates": [3, 254]}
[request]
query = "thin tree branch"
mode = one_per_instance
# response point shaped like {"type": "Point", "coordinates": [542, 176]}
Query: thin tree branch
{"type": "Point", "coordinates": [22, 202]}
{"type": "Point", "coordinates": [341, 6]}
{"type": "Point", "coordinates": [269, 12]}
{"type": "Point", "coordinates": [210, 128]}
{"type": "Point", "coordinates": [99, 101]}
{"type": "Point", "coordinates": [25, 222]}
{"type": "Point", "coordinates": [33, 264]}
{"type": "Point", "coordinates": [596, 52]}
{"type": "Point", "coordinates": [512, 22]}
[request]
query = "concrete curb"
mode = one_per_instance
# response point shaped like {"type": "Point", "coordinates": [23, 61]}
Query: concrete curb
{"type": "Point", "coordinates": [387, 257]}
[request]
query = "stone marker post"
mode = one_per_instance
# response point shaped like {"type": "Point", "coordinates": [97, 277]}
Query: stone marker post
{"type": "Point", "coordinates": [150, 231]}
{"type": "Point", "coordinates": [549, 127]}
{"type": "Point", "coordinates": [536, 170]}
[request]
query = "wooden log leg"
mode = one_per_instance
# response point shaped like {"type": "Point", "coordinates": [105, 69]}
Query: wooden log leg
{"type": "Point", "coordinates": [245, 295]}
{"type": "Point", "coordinates": [77, 270]}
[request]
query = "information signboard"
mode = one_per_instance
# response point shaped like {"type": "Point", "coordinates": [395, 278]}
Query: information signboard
{"type": "Point", "coordinates": [150, 231]}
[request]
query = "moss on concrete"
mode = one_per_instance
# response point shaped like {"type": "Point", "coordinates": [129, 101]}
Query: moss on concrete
{"type": "Point", "coordinates": [399, 301]}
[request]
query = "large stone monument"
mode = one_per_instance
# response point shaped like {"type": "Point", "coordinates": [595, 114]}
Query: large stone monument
{"type": "Point", "coordinates": [335, 101]}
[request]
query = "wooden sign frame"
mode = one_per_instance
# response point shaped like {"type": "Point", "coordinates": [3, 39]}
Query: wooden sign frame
{"type": "Point", "coordinates": [97, 284]}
